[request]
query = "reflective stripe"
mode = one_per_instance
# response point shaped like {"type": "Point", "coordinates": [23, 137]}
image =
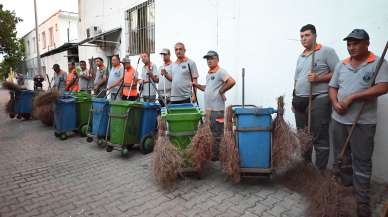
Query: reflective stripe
{"type": "Point", "coordinates": [362, 174]}
{"type": "Point", "coordinates": [322, 148]}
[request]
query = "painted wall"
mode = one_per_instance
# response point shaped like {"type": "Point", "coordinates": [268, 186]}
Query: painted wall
{"type": "Point", "coordinates": [60, 22]}
{"type": "Point", "coordinates": [261, 36]}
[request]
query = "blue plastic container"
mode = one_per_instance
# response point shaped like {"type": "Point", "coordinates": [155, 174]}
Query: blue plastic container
{"type": "Point", "coordinates": [149, 119]}
{"type": "Point", "coordinates": [23, 103]}
{"type": "Point", "coordinates": [65, 118]}
{"type": "Point", "coordinates": [253, 136]}
{"type": "Point", "coordinates": [100, 118]}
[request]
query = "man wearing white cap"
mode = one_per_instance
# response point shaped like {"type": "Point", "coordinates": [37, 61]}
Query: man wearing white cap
{"type": "Point", "coordinates": [218, 81]}
{"type": "Point", "coordinates": [164, 86]}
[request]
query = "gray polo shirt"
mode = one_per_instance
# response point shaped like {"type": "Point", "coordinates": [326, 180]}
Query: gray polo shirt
{"type": "Point", "coordinates": [181, 87]}
{"type": "Point", "coordinates": [114, 75]}
{"type": "Point", "coordinates": [60, 82]}
{"type": "Point", "coordinates": [163, 82]}
{"type": "Point", "coordinates": [148, 89]}
{"type": "Point", "coordinates": [349, 80]}
{"type": "Point", "coordinates": [324, 61]}
{"type": "Point", "coordinates": [85, 84]}
{"type": "Point", "coordinates": [214, 82]}
{"type": "Point", "coordinates": [100, 73]}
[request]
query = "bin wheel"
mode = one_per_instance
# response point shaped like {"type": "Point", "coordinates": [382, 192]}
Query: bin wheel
{"type": "Point", "coordinates": [147, 144]}
{"type": "Point", "coordinates": [89, 139]}
{"type": "Point", "coordinates": [63, 136]}
{"type": "Point", "coordinates": [83, 130]}
{"type": "Point", "coordinates": [12, 115]}
{"type": "Point", "coordinates": [26, 116]}
{"type": "Point", "coordinates": [101, 142]}
{"type": "Point", "coordinates": [124, 152]}
{"type": "Point", "coordinates": [57, 134]}
{"type": "Point", "coordinates": [19, 116]}
{"type": "Point", "coordinates": [109, 148]}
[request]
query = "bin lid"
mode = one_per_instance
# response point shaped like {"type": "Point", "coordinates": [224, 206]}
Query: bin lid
{"type": "Point", "coordinates": [253, 111]}
{"type": "Point", "coordinates": [26, 91]}
{"type": "Point", "coordinates": [183, 105]}
{"type": "Point", "coordinates": [122, 103]}
{"type": "Point", "coordinates": [66, 99]}
{"type": "Point", "coordinates": [151, 105]}
{"type": "Point", "coordinates": [100, 100]}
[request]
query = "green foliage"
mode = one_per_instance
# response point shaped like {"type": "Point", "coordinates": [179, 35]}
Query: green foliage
{"type": "Point", "coordinates": [11, 48]}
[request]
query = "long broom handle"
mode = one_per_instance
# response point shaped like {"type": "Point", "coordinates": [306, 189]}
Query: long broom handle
{"type": "Point", "coordinates": [194, 89]}
{"type": "Point", "coordinates": [311, 91]}
{"type": "Point", "coordinates": [347, 141]}
{"type": "Point", "coordinates": [192, 80]}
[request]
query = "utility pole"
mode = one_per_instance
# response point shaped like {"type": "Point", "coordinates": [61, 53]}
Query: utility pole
{"type": "Point", "coordinates": [36, 40]}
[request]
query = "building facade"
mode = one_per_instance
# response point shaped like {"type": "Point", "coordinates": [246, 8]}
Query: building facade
{"type": "Point", "coordinates": [57, 38]}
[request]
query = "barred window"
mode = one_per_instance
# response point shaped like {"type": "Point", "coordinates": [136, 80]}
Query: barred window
{"type": "Point", "coordinates": [141, 26]}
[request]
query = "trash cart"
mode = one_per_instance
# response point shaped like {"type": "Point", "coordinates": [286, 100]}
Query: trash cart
{"type": "Point", "coordinates": [118, 126]}
{"type": "Point", "coordinates": [148, 127]}
{"type": "Point", "coordinates": [22, 104]}
{"type": "Point", "coordinates": [253, 135]}
{"type": "Point", "coordinates": [141, 123]}
{"type": "Point", "coordinates": [65, 119]}
{"type": "Point", "coordinates": [182, 123]}
{"type": "Point", "coordinates": [83, 104]}
{"type": "Point", "coordinates": [98, 121]}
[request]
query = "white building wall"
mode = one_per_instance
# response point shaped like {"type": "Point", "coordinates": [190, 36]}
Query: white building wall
{"type": "Point", "coordinates": [60, 22]}
{"type": "Point", "coordinates": [261, 36]}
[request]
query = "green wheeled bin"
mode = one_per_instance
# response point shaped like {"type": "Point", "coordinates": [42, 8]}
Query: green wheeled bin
{"type": "Point", "coordinates": [182, 124]}
{"type": "Point", "coordinates": [83, 105]}
{"type": "Point", "coordinates": [124, 122]}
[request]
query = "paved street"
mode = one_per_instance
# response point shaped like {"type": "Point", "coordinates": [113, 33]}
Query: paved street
{"type": "Point", "coordinates": [43, 176]}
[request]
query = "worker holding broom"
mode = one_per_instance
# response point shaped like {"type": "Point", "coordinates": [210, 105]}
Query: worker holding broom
{"type": "Point", "coordinates": [149, 78]}
{"type": "Point", "coordinates": [164, 86]}
{"type": "Point", "coordinates": [218, 81]}
{"type": "Point", "coordinates": [72, 79]}
{"type": "Point", "coordinates": [59, 79]}
{"type": "Point", "coordinates": [310, 97]}
{"type": "Point", "coordinates": [356, 83]}
{"type": "Point", "coordinates": [183, 73]}
{"type": "Point", "coordinates": [115, 74]}
{"type": "Point", "coordinates": [101, 78]}
{"type": "Point", "coordinates": [130, 79]}
{"type": "Point", "coordinates": [86, 77]}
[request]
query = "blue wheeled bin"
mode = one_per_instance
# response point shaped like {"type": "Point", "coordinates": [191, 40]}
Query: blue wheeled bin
{"type": "Point", "coordinates": [148, 126]}
{"type": "Point", "coordinates": [253, 135]}
{"type": "Point", "coordinates": [23, 103]}
{"type": "Point", "coordinates": [100, 116]}
{"type": "Point", "coordinates": [65, 117]}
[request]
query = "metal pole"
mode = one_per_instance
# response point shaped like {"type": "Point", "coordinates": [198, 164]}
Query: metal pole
{"type": "Point", "coordinates": [243, 87]}
{"type": "Point", "coordinates": [36, 39]}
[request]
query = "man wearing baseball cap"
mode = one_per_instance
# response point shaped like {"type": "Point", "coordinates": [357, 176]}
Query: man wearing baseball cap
{"type": "Point", "coordinates": [164, 86]}
{"type": "Point", "coordinates": [130, 79]}
{"type": "Point", "coordinates": [218, 81]}
{"type": "Point", "coordinates": [348, 92]}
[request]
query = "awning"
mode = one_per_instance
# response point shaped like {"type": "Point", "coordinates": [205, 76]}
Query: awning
{"type": "Point", "coordinates": [64, 47]}
{"type": "Point", "coordinates": [110, 37]}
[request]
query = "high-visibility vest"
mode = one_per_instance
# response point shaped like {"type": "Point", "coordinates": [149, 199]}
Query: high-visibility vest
{"type": "Point", "coordinates": [70, 77]}
{"type": "Point", "coordinates": [129, 75]}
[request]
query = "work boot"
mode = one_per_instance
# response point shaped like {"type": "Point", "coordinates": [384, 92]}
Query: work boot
{"type": "Point", "coordinates": [363, 210]}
